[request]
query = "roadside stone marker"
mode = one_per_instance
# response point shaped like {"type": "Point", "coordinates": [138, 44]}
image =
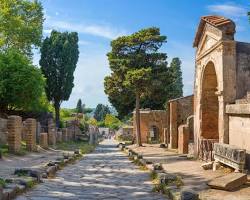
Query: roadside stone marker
{"type": "Point", "coordinates": [14, 125]}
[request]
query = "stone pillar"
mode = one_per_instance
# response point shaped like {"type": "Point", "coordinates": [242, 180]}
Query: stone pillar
{"type": "Point", "coordinates": [173, 125]}
{"type": "Point", "coordinates": [3, 131]}
{"type": "Point", "coordinates": [183, 139]}
{"type": "Point", "coordinates": [43, 140]}
{"type": "Point", "coordinates": [23, 131]}
{"type": "Point", "coordinates": [64, 134]}
{"type": "Point", "coordinates": [31, 134]}
{"type": "Point", "coordinates": [14, 126]}
{"type": "Point", "coordinates": [38, 131]}
{"type": "Point", "coordinates": [59, 136]}
{"type": "Point", "coordinates": [51, 133]}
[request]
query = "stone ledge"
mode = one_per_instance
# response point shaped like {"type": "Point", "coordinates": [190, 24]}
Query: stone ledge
{"type": "Point", "coordinates": [240, 109]}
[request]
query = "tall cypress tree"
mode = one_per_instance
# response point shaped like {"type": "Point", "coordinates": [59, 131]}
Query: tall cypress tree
{"type": "Point", "coordinates": [79, 106]}
{"type": "Point", "coordinates": [176, 87]}
{"type": "Point", "coordinates": [59, 56]}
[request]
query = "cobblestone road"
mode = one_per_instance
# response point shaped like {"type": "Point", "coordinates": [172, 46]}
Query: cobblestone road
{"type": "Point", "coordinates": [105, 174]}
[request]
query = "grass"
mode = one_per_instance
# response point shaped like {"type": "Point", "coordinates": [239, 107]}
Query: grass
{"type": "Point", "coordinates": [82, 146]}
{"type": "Point", "coordinates": [2, 183]}
{"type": "Point", "coordinates": [4, 149]}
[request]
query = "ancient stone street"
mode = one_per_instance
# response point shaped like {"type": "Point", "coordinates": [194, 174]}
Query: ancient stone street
{"type": "Point", "coordinates": [104, 174]}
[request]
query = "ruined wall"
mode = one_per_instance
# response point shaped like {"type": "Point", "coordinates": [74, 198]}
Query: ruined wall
{"type": "Point", "coordinates": [179, 110]}
{"type": "Point", "coordinates": [242, 69]}
{"type": "Point", "coordinates": [148, 119]}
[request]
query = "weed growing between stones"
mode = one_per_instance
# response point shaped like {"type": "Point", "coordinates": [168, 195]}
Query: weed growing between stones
{"type": "Point", "coordinates": [137, 162]}
{"type": "Point", "coordinates": [2, 183]}
{"type": "Point", "coordinates": [161, 187]}
{"type": "Point", "coordinates": [153, 176]}
{"type": "Point", "coordinates": [143, 168]}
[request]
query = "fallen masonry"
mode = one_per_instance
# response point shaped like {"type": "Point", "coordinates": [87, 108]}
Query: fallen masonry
{"type": "Point", "coordinates": [229, 182]}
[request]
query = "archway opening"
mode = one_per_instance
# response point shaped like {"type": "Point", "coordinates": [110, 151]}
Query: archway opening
{"type": "Point", "coordinates": [209, 104]}
{"type": "Point", "coordinates": [154, 134]}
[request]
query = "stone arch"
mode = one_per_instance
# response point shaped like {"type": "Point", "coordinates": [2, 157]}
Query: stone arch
{"type": "Point", "coordinates": [209, 103]}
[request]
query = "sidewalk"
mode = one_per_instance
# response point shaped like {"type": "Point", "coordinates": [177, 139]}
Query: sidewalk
{"type": "Point", "coordinates": [193, 176]}
{"type": "Point", "coordinates": [31, 160]}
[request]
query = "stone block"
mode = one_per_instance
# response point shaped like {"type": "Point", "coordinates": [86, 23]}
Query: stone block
{"type": "Point", "coordinates": [157, 166]}
{"type": "Point", "coordinates": [188, 194]}
{"type": "Point", "coordinates": [228, 182]}
{"type": "Point", "coordinates": [51, 171]}
{"type": "Point", "coordinates": [230, 155]}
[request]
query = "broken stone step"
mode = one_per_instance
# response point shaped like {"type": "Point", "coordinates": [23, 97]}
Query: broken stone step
{"type": "Point", "coordinates": [228, 182]}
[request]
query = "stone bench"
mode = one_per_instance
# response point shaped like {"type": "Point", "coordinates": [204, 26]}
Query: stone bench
{"type": "Point", "coordinates": [230, 155]}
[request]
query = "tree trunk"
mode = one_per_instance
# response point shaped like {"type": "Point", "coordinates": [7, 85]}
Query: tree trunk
{"type": "Point", "coordinates": [57, 112]}
{"type": "Point", "coordinates": [137, 117]}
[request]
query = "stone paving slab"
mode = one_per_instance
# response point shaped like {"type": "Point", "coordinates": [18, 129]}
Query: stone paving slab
{"type": "Point", "coordinates": [105, 174]}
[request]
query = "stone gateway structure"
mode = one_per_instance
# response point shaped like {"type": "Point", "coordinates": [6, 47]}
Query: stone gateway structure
{"type": "Point", "coordinates": [222, 76]}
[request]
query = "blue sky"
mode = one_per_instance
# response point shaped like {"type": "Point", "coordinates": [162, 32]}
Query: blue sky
{"type": "Point", "coordinates": [100, 21]}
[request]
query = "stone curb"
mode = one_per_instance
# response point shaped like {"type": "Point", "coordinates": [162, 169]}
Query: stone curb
{"type": "Point", "coordinates": [18, 185]}
{"type": "Point", "coordinates": [173, 192]}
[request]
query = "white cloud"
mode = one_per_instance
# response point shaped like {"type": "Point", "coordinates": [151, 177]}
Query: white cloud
{"type": "Point", "coordinates": [93, 29]}
{"type": "Point", "coordinates": [228, 9]}
{"type": "Point", "coordinates": [47, 31]}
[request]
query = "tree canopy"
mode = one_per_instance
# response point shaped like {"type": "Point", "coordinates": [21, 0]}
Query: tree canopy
{"type": "Point", "coordinates": [112, 122]}
{"type": "Point", "coordinates": [139, 51]}
{"type": "Point", "coordinates": [21, 25]}
{"type": "Point", "coordinates": [176, 85]}
{"type": "Point", "coordinates": [59, 56]}
{"type": "Point", "coordinates": [21, 83]}
{"type": "Point", "coordinates": [101, 111]}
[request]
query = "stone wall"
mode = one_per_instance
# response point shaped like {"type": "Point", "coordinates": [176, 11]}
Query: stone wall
{"type": "Point", "coordinates": [152, 124]}
{"type": "Point", "coordinates": [3, 131]}
{"type": "Point", "coordinates": [239, 127]}
{"type": "Point", "coordinates": [178, 111]}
